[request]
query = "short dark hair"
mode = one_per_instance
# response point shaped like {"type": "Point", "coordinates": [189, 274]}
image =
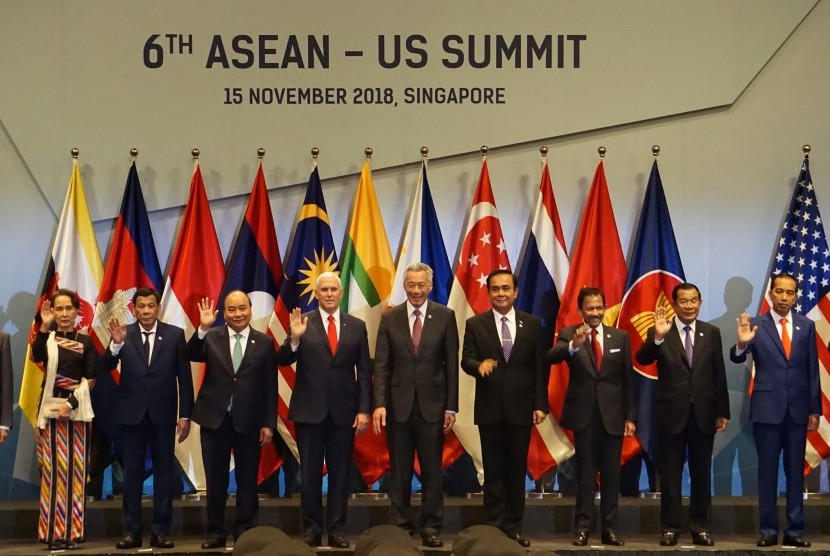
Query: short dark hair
{"type": "Point", "coordinates": [684, 286]}
{"type": "Point", "coordinates": [589, 292]}
{"type": "Point", "coordinates": [502, 271]}
{"type": "Point", "coordinates": [71, 294]}
{"type": "Point", "coordinates": [146, 292]}
{"type": "Point", "coordinates": [783, 275]}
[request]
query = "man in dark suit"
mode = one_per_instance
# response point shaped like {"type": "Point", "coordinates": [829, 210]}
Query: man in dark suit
{"type": "Point", "coordinates": [155, 384]}
{"type": "Point", "coordinates": [331, 401]}
{"type": "Point", "coordinates": [600, 408]}
{"type": "Point", "coordinates": [416, 393]}
{"type": "Point", "coordinates": [504, 352]}
{"type": "Point", "coordinates": [691, 405]}
{"type": "Point", "coordinates": [6, 381]}
{"type": "Point", "coordinates": [236, 408]}
{"type": "Point", "coordinates": [785, 404]}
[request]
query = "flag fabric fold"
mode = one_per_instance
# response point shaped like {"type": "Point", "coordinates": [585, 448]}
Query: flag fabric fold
{"type": "Point", "coordinates": [196, 271]}
{"type": "Point", "coordinates": [482, 252]}
{"type": "Point", "coordinates": [543, 274]}
{"type": "Point", "coordinates": [366, 272]}
{"type": "Point", "coordinates": [653, 272]}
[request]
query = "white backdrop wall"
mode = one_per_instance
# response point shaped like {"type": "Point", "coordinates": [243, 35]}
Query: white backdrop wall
{"type": "Point", "coordinates": [730, 122]}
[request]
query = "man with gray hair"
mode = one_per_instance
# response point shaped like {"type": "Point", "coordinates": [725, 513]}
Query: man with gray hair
{"type": "Point", "coordinates": [331, 402]}
{"type": "Point", "coordinates": [416, 398]}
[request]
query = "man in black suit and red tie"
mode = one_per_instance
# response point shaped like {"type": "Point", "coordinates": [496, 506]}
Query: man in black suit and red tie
{"type": "Point", "coordinates": [691, 405]}
{"type": "Point", "coordinates": [155, 385]}
{"type": "Point", "coordinates": [600, 408]}
{"type": "Point", "coordinates": [504, 352]}
{"type": "Point", "coordinates": [416, 398]}
{"type": "Point", "coordinates": [785, 404]}
{"type": "Point", "coordinates": [236, 408]}
{"type": "Point", "coordinates": [331, 402]}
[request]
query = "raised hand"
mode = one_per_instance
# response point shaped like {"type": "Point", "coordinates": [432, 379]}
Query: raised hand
{"type": "Point", "coordinates": [297, 325]}
{"type": "Point", "coordinates": [746, 332]}
{"type": "Point", "coordinates": [207, 313]}
{"type": "Point", "coordinates": [117, 330]}
{"type": "Point", "coordinates": [661, 324]}
{"type": "Point", "coordinates": [581, 335]}
{"type": "Point", "coordinates": [47, 316]}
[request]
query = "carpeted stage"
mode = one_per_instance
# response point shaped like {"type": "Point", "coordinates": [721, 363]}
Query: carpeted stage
{"type": "Point", "coordinates": [547, 524]}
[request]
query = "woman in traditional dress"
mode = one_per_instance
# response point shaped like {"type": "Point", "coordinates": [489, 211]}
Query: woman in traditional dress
{"type": "Point", "coordinates": [64, 416]}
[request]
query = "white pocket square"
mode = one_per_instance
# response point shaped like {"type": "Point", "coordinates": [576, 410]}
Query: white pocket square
{"type": "Point", "coordinates": [614, 350]}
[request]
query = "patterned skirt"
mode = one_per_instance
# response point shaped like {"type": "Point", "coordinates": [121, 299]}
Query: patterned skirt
{"type": "Point", "coordinates": [61, 453]}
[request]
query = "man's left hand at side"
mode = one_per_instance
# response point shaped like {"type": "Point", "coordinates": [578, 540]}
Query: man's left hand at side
{"type": "Point", "coordinates": [265, 435]}
{"type": "Point", "coordinates": [182, 430]}
{"type": "Point", "coordinates": [449, 421]}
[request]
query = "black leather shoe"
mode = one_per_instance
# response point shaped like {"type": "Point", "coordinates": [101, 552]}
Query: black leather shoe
{"type": "Point", "coordinates": [611, 538]}
{"type": "Point", "coordinates": [160, 541]}
{"type": "Point", "coordinates": [431, 541]}
{"type": "Point", "coordinates": [702, 538]}
{"type": "Point", "coordinates": [213, 543]}
{"type": "Point", "coordinates": [129, 541]}
{"type": "Point", "coordinates": [523, 542]}
{"type": "Point", "coordinates": [767, 540]}
{"type": "Point", "coordinates": [313, 539]}
{"type": "Point", "coordinates": [668, 538]}
{"type": "Point", "coordinates": [338, 541]}
{"type": "Point", "coordinates": [797, 542]}
{"type": "Point", "coordinates": [71, 545]}
{"type": "Point", "coordinates": [581, 538]}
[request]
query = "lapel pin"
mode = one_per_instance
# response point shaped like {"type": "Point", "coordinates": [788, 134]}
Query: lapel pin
{"type": "Point", "coordinates": [798, 328]}
{"type": "Point", "coordinates": [521, 324]}
{"type": "Point", "coordinates": [429, 316]}
{"type": "Point", "coordinates": [253, 341]}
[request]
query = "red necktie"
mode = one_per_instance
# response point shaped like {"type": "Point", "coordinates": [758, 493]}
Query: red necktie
{"type": "Point", "coordinates": [332, 333]}
{"type": "Point", "coordinates": [597, 349]}
{"type": "Point", "coordinates": [417, 328]}
{"type": "Point", "coordinates": [785, 338]}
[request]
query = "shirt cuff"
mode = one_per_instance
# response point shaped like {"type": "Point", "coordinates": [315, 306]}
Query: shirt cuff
{"type": "Point", "coordinates": [115, 349]}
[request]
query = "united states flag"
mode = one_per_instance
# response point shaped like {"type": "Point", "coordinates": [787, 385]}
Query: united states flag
{"type": "Point", "coordinates": [802, 251]}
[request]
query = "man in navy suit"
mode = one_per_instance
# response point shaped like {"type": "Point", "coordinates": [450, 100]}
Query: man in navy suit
{"type": "Point", "coordinates": [785, 404]}
{"type": "Point", "coordinates": [504, 352]}
{"type": "Point", "coordinates": [236, 408]}
{"type": "Point", "coordinates": [155, 384]}
{"type": "Point", "coordinates": [691, 405]}
{"type": "Point", "coordinates": [331, 401]}
{"type": "Point", "coordinates": [600, 408]}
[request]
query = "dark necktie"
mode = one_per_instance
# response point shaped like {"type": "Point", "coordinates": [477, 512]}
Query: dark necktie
{"type": "Point", "coordinates": [332, 334]}
{"type": "Point", "coordinates": [687, 344]}
{"type": "Point", "coordinates": [417, 328]}
{"type": "Point", "coordinates": [146, 346]}
{"type": "Point", "coordinates": [785, 338]}
{"type": "Point", "coordinates": [506, 339]}
{"type": "Point", "coordinates": [236, 356]}
{"type": "Point", "coordinates": [597, 349]}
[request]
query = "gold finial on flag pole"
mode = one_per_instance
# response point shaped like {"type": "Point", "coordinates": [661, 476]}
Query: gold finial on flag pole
{"type": "Point", "coordinates": [75, 152]}
{"type": "Point", "coordinates": [133, 154]}
{"type": "Point", "coordinates": [194, 153]}
{"type": "Point", "coordinates": [543, 151]}
{"type": "Point", "coordinates": [655, 150]}
{"type": "Point", "coordinates": [806, 149]}
{"type": "Point", "coordinates": [368, 152]}
{"type": "Point", "coordinates": [424, 152]}
{"type": "Point", "coordinates": [260, 153]}
{"type": "Point", "coordinates": [315, 152]}
{"type": "Point", "coordinates": [602, 150]}
{"type": "Point", "coordinates": [484, 151]}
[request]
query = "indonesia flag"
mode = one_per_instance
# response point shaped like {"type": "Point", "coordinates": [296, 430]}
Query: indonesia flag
{"type": "Point", "coordinates": [422, 242]}
{"type": "Point", "coordinates": [597, 261]}
{"type": "Point", "coordinates": [482, 252]}
{"type": "Point", "coordinates": [255, 268]}
{"type": "Point", "coordinates": [196, 271]}
{"type": "Point", "coordinates": [542, 275]}
{"type": "Point", "coordinates": [132, 263]}
{"type": "Point", "coordinates": [655, 269]}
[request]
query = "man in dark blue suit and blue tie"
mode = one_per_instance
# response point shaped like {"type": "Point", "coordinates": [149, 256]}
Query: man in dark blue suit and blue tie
{"type": "Point", "coordinates": [155, 385]}
{"type": "Point", "coordinates": [786, 403]}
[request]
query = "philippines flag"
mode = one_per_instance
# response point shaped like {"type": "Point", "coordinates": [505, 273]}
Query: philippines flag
{"type": "Point", "coordinates": [542, 275]}
{"type": "Point", "coordinates": [196, 271]}
{"type": "Point", "coordinates": [482, 252]}
{"type": "Point", "coordinates": [655, 269]}
{"type": "Point", "coordinates": [255, 268]}
{"type": "Point", "coordinates": [310, 254]}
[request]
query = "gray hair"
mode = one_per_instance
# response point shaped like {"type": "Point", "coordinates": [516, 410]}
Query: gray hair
{"type": "Point", "coordinates": [419, 267]}
{"type": "Point", "coordinates": [327, 274]}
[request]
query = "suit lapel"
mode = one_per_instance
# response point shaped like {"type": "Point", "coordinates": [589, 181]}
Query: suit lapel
{"type": "Point", "coordinates": [674, 339]}
{"type": "Point", "coordinates": [401, 322]}
{"type": "Point", "coordinates": [134, 332]}
{"type": "Point", "coordinates": [225, 349]}
{"type": "Point", "coordinates": [490, 327]}
{"type": "Point", "coordinates": [768, 326]}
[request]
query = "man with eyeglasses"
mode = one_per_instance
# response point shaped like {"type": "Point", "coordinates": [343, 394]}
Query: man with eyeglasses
{"type": "Point", "coordinates": [691, 404]}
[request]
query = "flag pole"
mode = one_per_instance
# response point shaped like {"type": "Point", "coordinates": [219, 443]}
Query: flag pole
{"type": "Point", "coordinates": [655, 151]}
{"type": "Point", "coordinates": [484, 151]}
{"type": "Point", "coordinates": [543, 150]}
{"type": "Point", "coordinates": [602, 150]}
{"type": "Point", "coordinates": [260, 153]}
{"type": "Point", "coordinates": [424, 153]}
{"type": "Point", "coordinates": [806, 149]}
{"type": "Point", "coordinates": [368, 151]}
{"type": "Point", "coordinates": [133, 154]}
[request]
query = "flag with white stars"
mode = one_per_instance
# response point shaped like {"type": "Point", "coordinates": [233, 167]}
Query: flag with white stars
{"type": "Point", "coordinates": [802, 251]}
